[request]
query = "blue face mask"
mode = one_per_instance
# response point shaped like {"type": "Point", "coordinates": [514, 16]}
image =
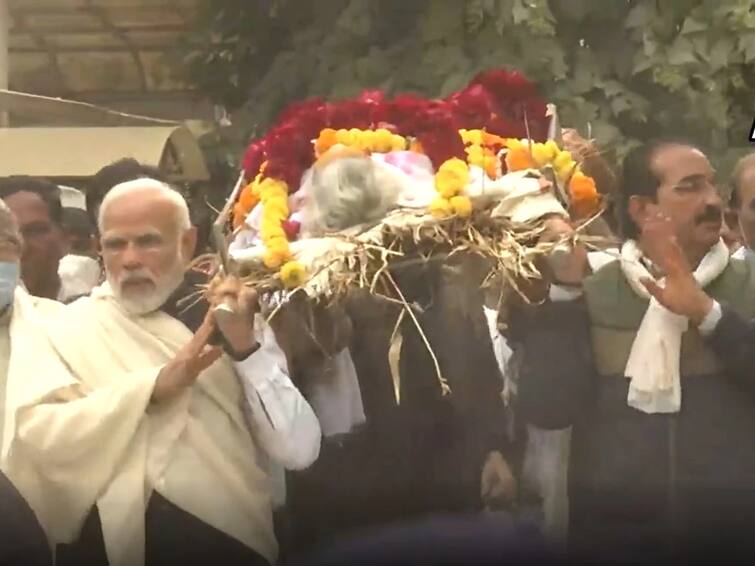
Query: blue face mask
{"type": "Point", "coordinates": [9, 276]}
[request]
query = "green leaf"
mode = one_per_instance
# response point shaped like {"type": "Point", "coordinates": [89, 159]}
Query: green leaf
{"type": "Point", "coordinates": [612, 88]}
{"type": "Point", "coordinates": [747, 45]}
{"type": "Point", "coordinates": [649, 44]}
{"type": "Point", "coordinates": [474, 15]}
{"type": "Point", "coordinates": [604, 132]}
{"type": "Point", "coordinates": [719, 54]}
{"type": "Point", "coordinates": [691, 25]}
{"type": "Point", "coordinates": [454, 82]}
{"type": "Point", "coordinates": [639, 16]}
{"type": "Point", "coordinates": [620, 104]}
{"type": "Point", "coordinates": [700, 45]}
{"type": "Point", "coordinates": [520, 12]}
{"type": "Point", "coordinates": [642, 63]}
{"type": "Point", "coordinates": [681, 52]}
{"type": "Point", "coordinates": [442, 20]}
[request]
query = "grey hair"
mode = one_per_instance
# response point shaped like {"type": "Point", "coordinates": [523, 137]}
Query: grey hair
{"type": "Point", "coordinates": [146, 184]}
{"type": "Point", "coordinates": [348, 192]}
{"type": "Point", "coordinates": [9, 232]}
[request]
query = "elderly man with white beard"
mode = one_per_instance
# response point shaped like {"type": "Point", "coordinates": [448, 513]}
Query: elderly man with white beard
{"type": "Point", "coordinates": [152, 449]}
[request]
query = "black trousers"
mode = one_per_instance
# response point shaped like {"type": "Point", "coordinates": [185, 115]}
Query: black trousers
{"type": "Point", "coordinates": [173, 538]}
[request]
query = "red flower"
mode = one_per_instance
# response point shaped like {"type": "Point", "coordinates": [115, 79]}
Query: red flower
{"type": "Point", "coordinates": [438, 133]}
{"type": "Point", "coordinates": [291, 228]}
{"type": "Point", "coordinates": [253, 159]}
{"type": "Point", "coordinates": [519, 87]}
{"type": "Point", "coordinates": [289, 153]}
{"type": "Point", "coordinates": [375, 105]}
{"type": "Point", "coordinates": [506, 128]}
{"type": "Point", "coordinates": [403, 112]}
{"type": "Point", "coordinates": [471, 107]}
{"type": "Point", "coordinates": [505, 85]}
{"type": "Point", "coordinates": [309, 116]}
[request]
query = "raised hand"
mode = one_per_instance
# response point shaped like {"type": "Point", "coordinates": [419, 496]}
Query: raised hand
{"type": "Point", "coordinates": [681, 293]}
{"type": "Point", "coordinates": [497, 483]}
{"type": "Point", "coordinates": [568, 264]}
{"type": "Point", "coordinates": [181, 372]}
{"type": "Point", "coordinates": [234, 305]}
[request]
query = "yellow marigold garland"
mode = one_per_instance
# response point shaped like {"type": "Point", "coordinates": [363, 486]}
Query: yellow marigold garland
{"type": "Point", "coordinates": [450, 180]}
{"type": "Point", "coordinates": [480, 152]}
{"type": "Point", "coordinates": [370, 141]}
{"type": "Point", "coordinates": [274, 198]}
{"type": "Point", "coordinates": [584, 198]}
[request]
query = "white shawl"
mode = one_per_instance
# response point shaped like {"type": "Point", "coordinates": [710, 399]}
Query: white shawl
{"type": "Point", "coordinates": [653, 364]}
{"type": "Point", "coordinates": [28, 342]}
{"type": "Point", "coordinates": [91, 436]}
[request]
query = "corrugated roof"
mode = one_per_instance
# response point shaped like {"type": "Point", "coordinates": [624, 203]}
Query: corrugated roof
{"type": "Point", "coordinates": [72, 47]}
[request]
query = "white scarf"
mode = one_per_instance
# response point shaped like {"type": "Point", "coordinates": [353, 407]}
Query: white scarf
{"type": "Point", "coordinates": [653, 364]}
{"type": "Point", "coordinates": [744, 253]}
{"type": "Point", "coordinates": [86, 434]}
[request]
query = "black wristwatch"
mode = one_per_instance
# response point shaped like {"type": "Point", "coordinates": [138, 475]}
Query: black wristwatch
{"type": "Point", "coordinates": [217, 339]}
{"type": "Point", "coordinates": [240, 356]}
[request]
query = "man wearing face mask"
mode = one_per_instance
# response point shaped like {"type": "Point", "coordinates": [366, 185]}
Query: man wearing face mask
{"type": "Point", "coordinates": [153, 448]}
{"type": "Point", "coordinates": [22, 541]}
{"type": "Point", "coordinates": [654, 381]}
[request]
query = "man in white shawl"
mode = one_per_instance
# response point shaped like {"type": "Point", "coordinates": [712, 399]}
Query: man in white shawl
{"type": "Point", "coordinates": [22, 540]}
{"type": "Point", "coordinates": [148, 444]}
{"type": "Point", "coordinates": [650, 359]}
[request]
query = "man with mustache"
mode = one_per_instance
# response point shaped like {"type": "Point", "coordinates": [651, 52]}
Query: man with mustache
{"type": "Point", "coordinates": [153, 450]}
{"type": "Point", "coordinates": [653, 379]}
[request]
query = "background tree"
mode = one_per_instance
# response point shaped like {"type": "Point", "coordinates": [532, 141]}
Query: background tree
{"type": "Point", "coordinates": [619, 70]}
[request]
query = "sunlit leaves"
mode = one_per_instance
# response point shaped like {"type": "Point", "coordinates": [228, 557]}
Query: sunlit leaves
{"type": "Point", "coordinates": [627, 69]}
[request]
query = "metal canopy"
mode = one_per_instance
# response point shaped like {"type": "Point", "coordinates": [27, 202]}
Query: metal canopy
{"type": "Point", "coordinates": [73, 47]}
{"type": "Point", "coordinates": [78, 153]}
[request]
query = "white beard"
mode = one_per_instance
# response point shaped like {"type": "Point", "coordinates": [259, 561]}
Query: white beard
{"type": "Point", "coordinates": [150, 302]}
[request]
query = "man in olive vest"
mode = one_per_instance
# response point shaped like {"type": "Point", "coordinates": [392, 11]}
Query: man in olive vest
{"type": "Point", "coordinates": [651, 360]}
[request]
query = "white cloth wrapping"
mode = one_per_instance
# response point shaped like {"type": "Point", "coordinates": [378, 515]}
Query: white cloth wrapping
{"type": "Point", "coordinates": [87, 433]}
{"type": "Point", "coordinates": [336, 398]}
{"type": "Point", "coordinates": [653, 364]}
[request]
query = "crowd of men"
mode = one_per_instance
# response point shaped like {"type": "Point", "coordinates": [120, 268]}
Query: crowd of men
{"type": "Point", "coordinates": [147, 414]}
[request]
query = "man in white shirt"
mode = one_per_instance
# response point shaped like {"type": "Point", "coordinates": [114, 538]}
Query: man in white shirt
{"type": "Point", "coordinates": [152, 449]}
{"type": "Point", "coordinates": [650, 360]}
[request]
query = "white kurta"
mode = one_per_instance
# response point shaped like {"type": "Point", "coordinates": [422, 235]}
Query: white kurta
{"type": "Point", "coordinates": [91, 436]}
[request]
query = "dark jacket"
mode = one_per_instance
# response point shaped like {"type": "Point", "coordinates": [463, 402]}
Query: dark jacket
{"type": "Point", "coordinates": [425, 454]}
{"type": "Point", "coordinates": [22, 540]}
{"type": "Point", "coordinates": [652, 483]}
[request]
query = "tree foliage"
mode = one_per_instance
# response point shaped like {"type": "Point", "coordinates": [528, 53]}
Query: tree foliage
{"type": "Point", "coordinates": [618, 70]}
